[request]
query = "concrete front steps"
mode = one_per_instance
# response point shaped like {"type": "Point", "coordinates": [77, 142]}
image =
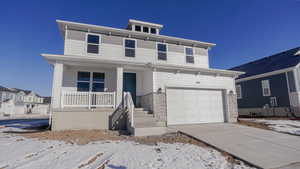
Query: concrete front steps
{"type": "Point", "coordinates": [145, 124]}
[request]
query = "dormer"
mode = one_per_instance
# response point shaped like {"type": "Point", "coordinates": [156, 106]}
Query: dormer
{"type": "Point", "coordinates": [145, 27]}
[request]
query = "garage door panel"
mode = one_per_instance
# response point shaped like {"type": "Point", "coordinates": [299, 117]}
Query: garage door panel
{"type": "Point", "coordinates": [189, 106]}
{"type": "Point", "coordinates": [177, 118]}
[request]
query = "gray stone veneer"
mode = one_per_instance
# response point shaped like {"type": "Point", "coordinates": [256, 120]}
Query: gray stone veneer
{"type": "Point", "coordinates": [156, 103]}
{"type": "Point", "coordinates": [232, 109]}
{"type": "Point", "coordinates": [160, 106]}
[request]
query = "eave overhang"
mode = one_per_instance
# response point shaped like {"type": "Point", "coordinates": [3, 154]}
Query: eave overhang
{"type": "Point", "coordinates": [64, 25]}
{"type": "Point", "coordinates": [67, 59]}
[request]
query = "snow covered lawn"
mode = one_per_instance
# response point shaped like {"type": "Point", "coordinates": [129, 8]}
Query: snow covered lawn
{"type": "Point", "coordinates": [31, 153]}
{"type": "Point", "coordinates": [284, 126]}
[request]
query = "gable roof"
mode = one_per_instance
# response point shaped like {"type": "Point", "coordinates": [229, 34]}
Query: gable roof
{"type": "Point", "coordinates": [282, 60]}
{"type": "Point", "coordinates": [19, 90]}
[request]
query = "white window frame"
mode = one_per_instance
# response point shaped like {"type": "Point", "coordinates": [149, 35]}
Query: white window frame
{"type": "Point", "coordinates": [239, 88]}
{"type": "Point", "coordinates": [161, 51]}
{"type": "Point", "coordinates": [91, 82]}
{"type": "Point", "coordinates": [186, 55]}
{"type": "Point", "coordinates": [86, 43]}
{"type": "Point", "coordinates": [135, 47]}
{"type": "Point", "coordinates": [265, 84]}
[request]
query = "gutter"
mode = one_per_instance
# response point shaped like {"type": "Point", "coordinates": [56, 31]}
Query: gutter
{"type": "Point", "coordinates": [268, 73]}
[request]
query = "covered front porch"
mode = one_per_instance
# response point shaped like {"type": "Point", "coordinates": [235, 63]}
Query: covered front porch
{"type": "Point", "coordinates": [90, 86]}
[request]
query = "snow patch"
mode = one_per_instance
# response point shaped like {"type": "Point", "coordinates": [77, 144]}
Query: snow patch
{"type": "Point", "coordinates": [286, 126]}
{"type": "Point", "coordinates": [19, 152]}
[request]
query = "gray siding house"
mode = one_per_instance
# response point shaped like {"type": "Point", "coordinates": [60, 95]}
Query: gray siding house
{"type": "Point", "coordinates": [270, 86]}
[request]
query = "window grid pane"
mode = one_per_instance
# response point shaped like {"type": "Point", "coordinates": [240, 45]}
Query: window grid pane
{"type": "Point", "coordinates": [93, 48]}
{"type": "Point", "coordinates": [189, 51]}
{"type": "Point", "coordinates": [162, 47]}
{"type": "Point", "coordinates": [98, 77]}
{"type": "Point", "coordinates": [162, 56]}
{"type": "Point", "coordinates": [83, 76]}
{"type": "Point", "coordinates": [153, 30]}
{"type": "Point", "coordinates": [83, 86]}
{"type": "Point", "coordinates": [98, 87]}
{"type": "Point", "coordinates": [129, 43]}
{"type": "Point", "coordinates": [129, 52]}
{"type": "Point", "coordinates": [146, 29]}
{"type": "Point", "coordinates": [190, 59]}
{"type": "Point", "coordinates": [93, 39]}
{"type": "Point", "coordinates": [138, 28]}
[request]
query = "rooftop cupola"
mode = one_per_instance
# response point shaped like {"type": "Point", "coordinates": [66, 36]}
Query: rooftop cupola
{"type": "Point", "coordinates": [145, 27]}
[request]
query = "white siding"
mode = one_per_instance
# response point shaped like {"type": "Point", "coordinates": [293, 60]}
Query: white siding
{"type": "Point", "coordinates": [144, 53]}
{"type": "Point", "coordinates": [172, 79]}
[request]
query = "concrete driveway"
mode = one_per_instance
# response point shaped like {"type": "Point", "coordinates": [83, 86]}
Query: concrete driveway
{"type": "Point", "coordinates": [262, 148]}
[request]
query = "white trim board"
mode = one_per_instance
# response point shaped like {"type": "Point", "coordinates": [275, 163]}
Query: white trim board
{"type": "Point", "coordinates": [266, 74]}
{"type": "Point", "coordinates": [53, 58]}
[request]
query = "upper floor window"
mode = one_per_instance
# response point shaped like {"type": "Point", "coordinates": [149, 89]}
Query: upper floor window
{"type": "Point", "coordinates": [146, 29]}
{"type": "Point", "coordinates": [138, 28]}
{"type": "Point", "coordinates": [238, 91]}
{"type": "Point", "coordinates": [93, 43]}
{"type": "Point", "coordinates": [130, 45]}
{"type": "Point", "coordinates": [266, 87]}
{"type": "Point", "coordinates": [153, 30]}
{"type": "Point", "coordinates": [189, 53]}
{"type": "Point", "coordinates": [162, 51]}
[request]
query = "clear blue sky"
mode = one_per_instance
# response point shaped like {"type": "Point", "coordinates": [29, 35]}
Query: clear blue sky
{"type": "Point", "coordinates": [244, 30]}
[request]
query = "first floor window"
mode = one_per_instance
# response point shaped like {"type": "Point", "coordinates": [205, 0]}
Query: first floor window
{"type": "Point", "coordinates": [129, 48]}
{"type": "Point", "coordinates": [238, 91]}
{"type": "Point", "coordinates": [93, 42]}
{"type": "Point", "coordinates": [161, 51]}
{"type": "Point", "coordinates": [189, 53]}
{"type": "Point", "coordinates": [266, 87]}
{"type": "Point", "coordinates": [83, 81]}
{"type": "Point", "coordinates": [98, 82]}
{"type": "Point", "coordinates": [90, 81]}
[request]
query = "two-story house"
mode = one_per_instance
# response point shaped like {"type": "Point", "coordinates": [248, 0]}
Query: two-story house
{"type": "Point", "coordinates": [106, 74]}
{"type": "Point", "coordinates": [270, 85]}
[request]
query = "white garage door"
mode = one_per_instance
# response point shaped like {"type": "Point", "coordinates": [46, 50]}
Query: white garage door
{"type": "Point", "coordinates": [189, 106]}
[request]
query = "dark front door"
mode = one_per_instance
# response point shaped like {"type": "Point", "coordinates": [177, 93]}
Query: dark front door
{"type": "Point", "coordinates": [129, 84]}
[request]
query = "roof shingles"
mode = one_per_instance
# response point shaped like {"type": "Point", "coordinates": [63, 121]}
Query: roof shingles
{"type": "Point", "coordinates": [275, 62]}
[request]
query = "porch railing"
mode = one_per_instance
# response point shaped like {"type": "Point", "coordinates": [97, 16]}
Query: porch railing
{"type": "Point", "coordinates": [129, 105]}
{"type": "Point", "coordinates": [88, 99]}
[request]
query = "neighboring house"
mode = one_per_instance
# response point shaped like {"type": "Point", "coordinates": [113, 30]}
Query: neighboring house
{"type": "Point", "coordinates": [270, 86]}
{"type": "Point", "coordinates": [18, 101]}
{"type": "Point", "coordinates": [163, 75]}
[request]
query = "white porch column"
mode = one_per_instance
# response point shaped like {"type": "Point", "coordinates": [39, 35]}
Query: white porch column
{"type": "Point", "coordinates": [57, 85]}
{"type": "Point", "coordinates": [119, 85]}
